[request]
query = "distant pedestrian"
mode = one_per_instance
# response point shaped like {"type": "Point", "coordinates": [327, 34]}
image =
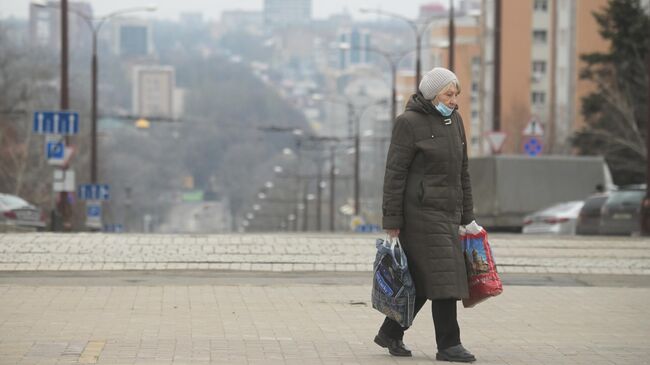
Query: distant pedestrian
{"type": "Point", "coordinates": [427, 201]}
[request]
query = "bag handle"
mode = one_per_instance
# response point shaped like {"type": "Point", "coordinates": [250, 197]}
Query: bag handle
{"type": "Point", "coordinates": [401, 261]}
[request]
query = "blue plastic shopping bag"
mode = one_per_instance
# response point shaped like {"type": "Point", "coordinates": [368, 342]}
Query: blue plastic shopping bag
{"type": "Point", "coordinates": [393, 292]}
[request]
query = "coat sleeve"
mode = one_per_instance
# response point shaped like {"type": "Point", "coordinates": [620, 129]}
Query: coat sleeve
{"type": "Point", "coordinates": [398, 161]}
{"type": "Point", "coordinates": [468, 203]}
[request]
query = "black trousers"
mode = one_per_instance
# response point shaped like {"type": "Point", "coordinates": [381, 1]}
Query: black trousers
{"type": "Point", "coordinates": [444, 320]}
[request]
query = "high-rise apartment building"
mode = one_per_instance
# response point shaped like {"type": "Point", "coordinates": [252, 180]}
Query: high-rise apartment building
{"type": "Point", "coordinates": [279, 13]}
{"type": "Point", "coordinates": [540, 45]}
{"type": "Point", "coordinates": [537, 64]}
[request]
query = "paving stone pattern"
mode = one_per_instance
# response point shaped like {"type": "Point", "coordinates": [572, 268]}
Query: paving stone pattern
{"type": "Point", "coordinates": [308, 324]}
{"type": "Point", "coordinates": [301, 252]}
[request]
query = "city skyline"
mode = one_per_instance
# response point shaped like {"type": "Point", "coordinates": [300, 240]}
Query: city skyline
{"type": "Point", "coordinates": [170, 9]}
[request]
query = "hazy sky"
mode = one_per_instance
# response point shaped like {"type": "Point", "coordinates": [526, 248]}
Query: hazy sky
{"type": "Point", "coordinates": [169, 9]}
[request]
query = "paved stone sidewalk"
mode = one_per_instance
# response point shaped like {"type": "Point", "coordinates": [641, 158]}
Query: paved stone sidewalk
{"type": "Point", "coordinates": [305, 324]}
{"type": "Point", "coordinates": [302, 252]}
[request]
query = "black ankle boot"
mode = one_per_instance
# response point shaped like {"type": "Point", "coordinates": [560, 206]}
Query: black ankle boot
{"type": "Point", "coordinates": [456, 354]}
{"type": "Point", "coordinates": [395, 347]}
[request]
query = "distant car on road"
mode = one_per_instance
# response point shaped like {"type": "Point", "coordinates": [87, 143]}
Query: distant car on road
{"type": "Point", "coordinates": [556, 219]}
{"type": "Point", "coordinates": [18, 214]}
{"type": "Point", "coordinates": [621, 213]}
{"type": "Point", "coordinates": [589, 218]}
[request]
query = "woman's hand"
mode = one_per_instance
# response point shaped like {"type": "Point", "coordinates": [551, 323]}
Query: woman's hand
{"type": "Point", "coordinates": [392, 233]}
{"type": "Point", "coordinates": [473, 228]}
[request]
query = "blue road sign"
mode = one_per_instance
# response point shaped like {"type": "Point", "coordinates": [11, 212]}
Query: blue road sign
{"type": "Point", "coordinates": [113, 228]}
{"type": "Point", "coordinates": [533, 146]}
{"type": "Point", "coordinates": [93, 192]}
{"type": "Point", "coordinates": [368, 228]}
{"type": "Point", "coordinates": [55, 150]}
{"type": "Point", "coordinates": [56, 122]}
{"type": "Point", "coordinates": [93, 211]}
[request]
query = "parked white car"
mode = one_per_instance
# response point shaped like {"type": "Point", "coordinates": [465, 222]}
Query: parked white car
{"type": "Point", "coordinates": [557, 219]}
{"type": "Point", "coordinates": [18, 214]}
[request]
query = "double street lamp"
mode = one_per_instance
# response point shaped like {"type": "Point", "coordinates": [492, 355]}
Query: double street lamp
{"type": "Point", "coordinates": [418, 29]}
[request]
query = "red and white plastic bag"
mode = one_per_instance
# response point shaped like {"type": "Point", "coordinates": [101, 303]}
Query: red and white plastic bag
{"type": "Point", "coordinates": [483, 279]}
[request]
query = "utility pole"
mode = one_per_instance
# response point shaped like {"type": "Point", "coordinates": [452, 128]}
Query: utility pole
{"type": "Point", "coordinates": [305, 213]}
{"type": "Point", "coordinates": [319, 195]}
{"type": "Point", "coordinates": [496, 109]}
{"type": "Point", "coordinates": [64, 207]}
{"type": "Point", "coordinates": [93, 112]}
{"type": "Point", "coordinates": [481, 89]}
{"type": "Point", "coordinates": [357, 163]}
{"type": "Point", "coordinates": [645, 206]}
{"type": "Point", "coordinates": [332, 188]}
{"type": "Point", "coordinates": [298, 147]}
{"type": "Point", "coordinates": [452, 35]}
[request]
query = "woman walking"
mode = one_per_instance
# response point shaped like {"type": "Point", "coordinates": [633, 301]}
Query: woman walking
{"type": "Point", "coordinates": [427, 199]}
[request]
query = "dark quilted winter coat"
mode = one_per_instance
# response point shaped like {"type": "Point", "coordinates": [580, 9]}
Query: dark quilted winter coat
{"type": "Point", "coordinates": [427, 195]}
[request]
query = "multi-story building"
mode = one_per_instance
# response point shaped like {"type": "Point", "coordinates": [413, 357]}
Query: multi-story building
{"type": "Point", "coordinates": [539, 65]}
{"type": "Point", "coordinates": [45, 24]}
{"type": "Point", "coordinates": [280, 13]}
{"type": "Point", "coordinates": [355, 47]}
{"type": "Point", "coordinates": [538, 62]}
{"type": "Point", "coordinates": [132, 37]}
{"type": "Point", "coordinates": [154, 91]}
{"type": "Point", "coordinates": [250, 21]}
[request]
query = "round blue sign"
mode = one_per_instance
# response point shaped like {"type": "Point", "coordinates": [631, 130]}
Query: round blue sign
{"type": "Point", "coordinates": [533, 147]}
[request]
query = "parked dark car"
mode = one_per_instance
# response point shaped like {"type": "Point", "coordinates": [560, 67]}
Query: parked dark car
{"type": "Point", "coordinates": [18, 214]}
{"type": "Point", "coordinates": [589, 218]}
{"type": "Point", "coordinates": [621, 213]}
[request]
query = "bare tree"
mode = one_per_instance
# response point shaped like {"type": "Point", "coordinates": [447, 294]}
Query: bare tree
{"type": "Point", "coordinates": [25, 83]}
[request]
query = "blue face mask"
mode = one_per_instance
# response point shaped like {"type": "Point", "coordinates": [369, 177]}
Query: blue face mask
{"type": "Point", "coordinates": [444, 109]}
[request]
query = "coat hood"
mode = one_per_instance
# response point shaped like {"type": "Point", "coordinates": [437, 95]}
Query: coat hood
{"type": "Point", "coordinates": [419, 104]}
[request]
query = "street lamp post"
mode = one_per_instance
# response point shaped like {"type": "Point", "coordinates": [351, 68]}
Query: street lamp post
{"type": "Point", "coordinates": [357, 153]}
{"type": "Point", "coordinates": [95, 25]}
{"type": "Point", "coordinates": [298, 133]}
{"type": "Point", "coordinates": [332, 188]}
{"type": "Point", "coordinates": [319, 178]}
{"type": "Point", "coordinates": [645, 205]}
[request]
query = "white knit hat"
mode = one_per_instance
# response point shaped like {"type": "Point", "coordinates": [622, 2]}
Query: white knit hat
{"type": "Point", "coordinates": [435, 80]}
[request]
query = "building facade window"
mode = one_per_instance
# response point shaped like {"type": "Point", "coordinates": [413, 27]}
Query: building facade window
{"type": "Point", "coordinates": [539, 36]}
{"type": "Point", "coordinates": [540, 5]}
{"type": "Point", "coordinates": [538, 97]}
{"type": "Point", "coordinates": [539, 67]}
